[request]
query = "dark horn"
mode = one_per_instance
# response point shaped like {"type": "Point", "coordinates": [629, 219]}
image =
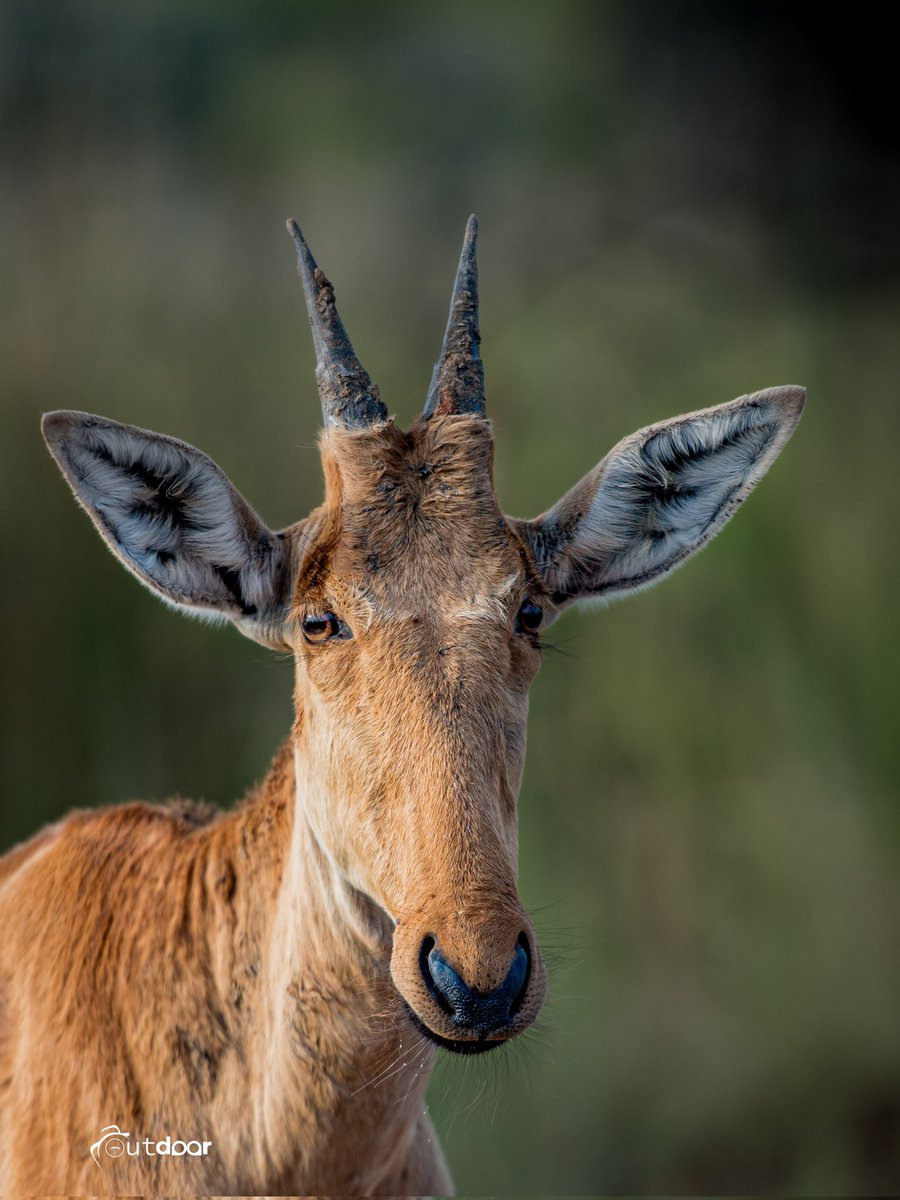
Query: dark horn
{"type": "Point", "coordinates": [457, 385]}
{"type": "Point", "coordinates": [349, 397]}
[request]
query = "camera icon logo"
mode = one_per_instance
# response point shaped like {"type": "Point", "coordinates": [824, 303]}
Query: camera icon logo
{"type": "Point", "coordinates": [111, 1141]}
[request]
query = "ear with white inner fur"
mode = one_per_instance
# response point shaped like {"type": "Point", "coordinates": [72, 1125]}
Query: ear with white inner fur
{"type": "Point", "coordinates": [659, 496]}
{"type": "Point", "coordinates": [171, 516]}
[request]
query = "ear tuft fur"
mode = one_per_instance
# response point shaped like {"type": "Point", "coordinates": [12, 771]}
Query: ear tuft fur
{"type": "Point", "coordinates": [661, 494]}
{"type": "Point", "coordinates": [170, 515]}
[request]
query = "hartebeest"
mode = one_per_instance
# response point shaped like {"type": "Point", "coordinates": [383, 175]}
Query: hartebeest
{"type": "Point", "coordinates": [252, 1002]}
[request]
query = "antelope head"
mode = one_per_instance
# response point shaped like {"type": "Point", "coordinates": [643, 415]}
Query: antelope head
{"type": "Point", "coordinates": [414, 610]}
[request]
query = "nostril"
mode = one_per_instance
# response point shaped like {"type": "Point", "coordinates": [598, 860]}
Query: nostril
{"type": "Point", "coordinates": [429, 968]}
{"type": "Point", "coordinates": [521, 962]}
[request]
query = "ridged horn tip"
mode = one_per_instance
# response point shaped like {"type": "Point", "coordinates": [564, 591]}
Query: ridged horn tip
{"type": "Point", "coordinates": [457, 384]}
{"type": "Point", "coordinates": [349, 397]}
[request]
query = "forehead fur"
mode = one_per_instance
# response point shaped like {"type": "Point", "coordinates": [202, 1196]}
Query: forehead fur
{"type": "Point", "coordinates": [417, 507]}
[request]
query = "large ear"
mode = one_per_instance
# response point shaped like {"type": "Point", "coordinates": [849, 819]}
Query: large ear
{"type": "Point", "coordinates": [660, 495]}
{"type": "Point", "coordinates": [173, 519]}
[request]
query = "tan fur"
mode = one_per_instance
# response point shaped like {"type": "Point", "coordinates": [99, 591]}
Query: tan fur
{"type": "Point", "coordinates": [243, 977]}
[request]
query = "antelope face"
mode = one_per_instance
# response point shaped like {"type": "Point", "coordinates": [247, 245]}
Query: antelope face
{"type": "Point", "coordinates": [417, 611]}
{"type": "Point", "coordinates": [414, 608]}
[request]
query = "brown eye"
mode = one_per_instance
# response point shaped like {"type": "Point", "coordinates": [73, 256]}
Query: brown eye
{"type": "Point", "coordinates": [319, 627]}
{"type": "Point", "coordinates": [530, 617]}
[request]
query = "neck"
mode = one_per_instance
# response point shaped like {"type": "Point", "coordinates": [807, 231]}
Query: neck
{"type": "Point", "coordinates": [342, 1067]}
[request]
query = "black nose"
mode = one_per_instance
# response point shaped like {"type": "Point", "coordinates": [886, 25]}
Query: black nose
{"type": "Point", "coordinates": [469, 1008]}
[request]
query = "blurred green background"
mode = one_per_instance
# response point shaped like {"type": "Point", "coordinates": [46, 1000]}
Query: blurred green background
{"type": "Point", "coordinates": [678, 204]}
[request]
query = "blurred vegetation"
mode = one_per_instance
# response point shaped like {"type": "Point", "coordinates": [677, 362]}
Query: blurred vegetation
{"type": "Point", "coordinates": [677, 206]}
